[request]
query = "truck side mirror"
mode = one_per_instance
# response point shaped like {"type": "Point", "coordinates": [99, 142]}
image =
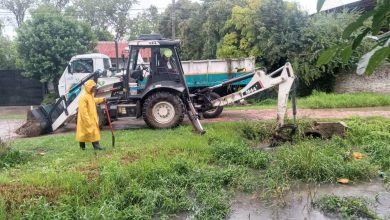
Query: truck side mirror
{"type": "Point", "coordinates": [70, 69]}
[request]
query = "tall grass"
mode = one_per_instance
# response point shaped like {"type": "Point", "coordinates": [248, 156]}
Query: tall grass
{"type": "Point", "coordinates": [345, 207]}
{"type": "Point", "coordinates": [175, 173]}
{"type": "Point", "coordinates": [321, 100]}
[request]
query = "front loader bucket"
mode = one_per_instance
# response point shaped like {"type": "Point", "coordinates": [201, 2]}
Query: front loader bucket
{"type": "Point", "coordinates": [37, 123]}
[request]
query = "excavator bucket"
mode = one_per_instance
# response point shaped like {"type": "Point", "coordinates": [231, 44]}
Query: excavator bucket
{"type": "Point", "coordinates": [39, 120]}
{"type": "Point", "coordinates": [47, 118]}
{"type": "Point", "coordinates": [37, 123]}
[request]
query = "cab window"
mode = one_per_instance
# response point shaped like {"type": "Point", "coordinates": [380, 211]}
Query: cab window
{"type": "Point", "coordinates": [82, 66]}
{"type": "Point", "coordinates": [106, 63]}
{"type": "Point", "coordinates": [166, 62]}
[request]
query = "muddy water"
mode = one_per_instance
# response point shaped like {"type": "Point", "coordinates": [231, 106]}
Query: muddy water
{"type": "Point", "coordinates": [298, 202]}
{"type": "Point", "coordinates": [8, 127]}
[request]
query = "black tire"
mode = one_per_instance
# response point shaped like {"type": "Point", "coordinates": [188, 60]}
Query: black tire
{"type": "Point", "coordinates": [167, 102]}
{"type": "Point", "coordinates": [215, 112]}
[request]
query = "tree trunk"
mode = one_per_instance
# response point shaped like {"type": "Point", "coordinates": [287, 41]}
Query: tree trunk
{"type": "Point", "coordinates": [55, 84]}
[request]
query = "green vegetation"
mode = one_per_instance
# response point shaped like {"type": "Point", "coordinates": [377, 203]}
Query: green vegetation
{"type": "Point", "coordinates": [9, 157]}
{"type": "Point", "coordinates": [49, 98]}
{"type": "Point", "coordinates": [345, 207]}
{"type": "Point", "coordinates": [47, 42]}
{"type": "Point", "coordinates": [370, 23]}
{"type": "Point", "coordinates": [319, 100]}
{"type": "Point", "coordinates": [166, 173]}
{"type": "Point", "coordinates": [12, 116]}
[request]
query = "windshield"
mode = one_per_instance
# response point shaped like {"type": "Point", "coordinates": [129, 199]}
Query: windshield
{"type": "Point", "coordinates": [82, 66]}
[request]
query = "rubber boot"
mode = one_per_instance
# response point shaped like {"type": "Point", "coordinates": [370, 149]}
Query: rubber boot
{"type": "Point", "coordinates": [82, 145]}
{"type": "Point", "coordinates": [97, 146]}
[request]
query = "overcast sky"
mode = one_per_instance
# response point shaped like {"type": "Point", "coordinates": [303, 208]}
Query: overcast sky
{"type": "Point", "coordinates": [308, 5]}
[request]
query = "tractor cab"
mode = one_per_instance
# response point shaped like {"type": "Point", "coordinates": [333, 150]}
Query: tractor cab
{"type": "Point", "coordinates": [154, 64]}
{"type": "Point", "coordinates": [154, 86]}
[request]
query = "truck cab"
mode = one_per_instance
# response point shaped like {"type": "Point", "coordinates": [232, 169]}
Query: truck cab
{"type": "Point", "coordinates": [81, 66]}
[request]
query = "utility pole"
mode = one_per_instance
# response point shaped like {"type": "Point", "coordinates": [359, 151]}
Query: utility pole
{"type": "Point", "coordinates": [173, 20]}
{"type": "Point", "coordinates": [116, 52]}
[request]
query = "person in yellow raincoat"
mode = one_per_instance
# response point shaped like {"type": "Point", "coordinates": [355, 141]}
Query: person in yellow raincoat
{"type": "Point", "coordinates": [87, 117]}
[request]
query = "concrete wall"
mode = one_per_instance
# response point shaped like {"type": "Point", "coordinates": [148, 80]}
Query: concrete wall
{"type": "Point", "coordinates": [379, 82]}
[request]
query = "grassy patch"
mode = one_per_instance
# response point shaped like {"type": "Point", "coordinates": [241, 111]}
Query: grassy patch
{"type": "Point", "coordinates": [240, 154]}
{"type": "Point", "coordinates": [10, 157]}
{"type": "Point", "coordinates": [170, 173]}
{"type": "Point", "coordinates": [13, 117]}
{"type": "Point", "coordinates": [345, 207]}
{"type": "Point", "coordinates": [320, 100]}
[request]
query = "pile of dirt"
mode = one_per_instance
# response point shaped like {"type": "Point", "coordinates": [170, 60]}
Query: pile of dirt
{"type": "Point", "coordinates": [30, 129]}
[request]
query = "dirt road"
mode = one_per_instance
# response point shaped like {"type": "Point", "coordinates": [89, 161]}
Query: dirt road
{"type": "Point", "coordinates": [7, 127]}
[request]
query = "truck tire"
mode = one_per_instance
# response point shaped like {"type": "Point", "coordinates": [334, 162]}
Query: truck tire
{"type": "Point", "coordinates": [163, 110]}
{"type": "Point", "coordinates": [215, 112]}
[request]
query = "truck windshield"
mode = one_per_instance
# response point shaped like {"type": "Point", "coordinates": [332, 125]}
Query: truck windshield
{"type": "Point", "coordinates": [82, 66]}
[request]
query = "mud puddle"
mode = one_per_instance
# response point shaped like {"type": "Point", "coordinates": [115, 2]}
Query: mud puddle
{"type": "Point", "coordinates": [297, 203]}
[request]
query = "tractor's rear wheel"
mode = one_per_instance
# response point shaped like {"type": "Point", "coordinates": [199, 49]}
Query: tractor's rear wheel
{"type": "Point", "coordinates": [163, 110]}
{"type": "Point", "coordinates": [214, 112]}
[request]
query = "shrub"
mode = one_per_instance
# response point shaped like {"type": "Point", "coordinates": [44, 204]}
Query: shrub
{"type": "Point", "coordinates": [345, 207]}
{"type": "Point", "coordinates": [10, 157]}
{"type": "Point", "coordinates": [240, 154]}
{"type": "Point", "coordinates": [313, 161]}
{"type": "Point", "coordinates": [49, 98]}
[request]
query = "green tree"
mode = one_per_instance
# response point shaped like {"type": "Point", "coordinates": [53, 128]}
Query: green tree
{"type": "Point", "coordinates": [48, 41]}
{"type": "Point", "coordinates": [188, 26]}
{"type": "Point", "coordinates": [145, 23]}
{"type": "Point", "coordinates": [18, 8]}
{"type": "Point", "coordinates": [8, 54]}
{"type": "Point", "coordinates": [199, 26]}
{"type": "Point", "coordinates": [240, 38]}
{"type": "Point", "coordinates": [103, 35]}
{"type": "Point", "coordinates": [276, 32]}
{"type": "Point", "coordinates": [104, 14]}
{"type": "Point", "coordinates": [323, 31]}
{"type": "Point", "coordinates": [58, 4]}
{"type": "Point", "coordinates": [269, 30]}
{"type": "Point", "coordinates": [353, 35]}
{"type": "Point", "coordinates": [217, 12]}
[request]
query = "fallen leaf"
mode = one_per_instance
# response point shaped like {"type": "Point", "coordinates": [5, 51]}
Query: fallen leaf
{"type": "Point", "coordinates": [343, 181]}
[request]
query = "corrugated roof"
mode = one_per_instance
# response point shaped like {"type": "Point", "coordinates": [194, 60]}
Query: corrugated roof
{"type": "Point", "coordinates": [362, 5]}
{"type": "Point", "coordinates": [108, 48]}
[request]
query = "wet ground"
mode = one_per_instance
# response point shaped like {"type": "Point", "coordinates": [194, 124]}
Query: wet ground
{"type": "Point", "coordinates": [8, 126]}
{"type": "Point", "coordinates": [248, 206]}
{"type": "Point", "coordinates": [297, 203]}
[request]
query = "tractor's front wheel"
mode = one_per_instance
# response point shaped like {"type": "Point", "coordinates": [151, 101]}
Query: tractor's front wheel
{"type": "Point", "coordinates": [163, 110]}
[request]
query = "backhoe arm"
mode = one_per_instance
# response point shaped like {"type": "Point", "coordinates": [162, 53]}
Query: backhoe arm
{"type": "Point", "coordinates": [282, 77]}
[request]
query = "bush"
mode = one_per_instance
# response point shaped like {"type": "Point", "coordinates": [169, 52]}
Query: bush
{"type": "Point", "coordinates": [49, 98]}
{"type": "Point", "coordinates": [345, 207]}
{"type": "Point", "coordinates": [257, 131]}
{"type": "Point", "coordinates": [240, 154]}
{"type": "Point", "coordinates": [9, 157]}
{"type": "Point", "coordinates": [313, 161]}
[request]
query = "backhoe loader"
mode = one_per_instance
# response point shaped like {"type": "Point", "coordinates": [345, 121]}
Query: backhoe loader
{"type": "Point", "coordinates": [164, 98]}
